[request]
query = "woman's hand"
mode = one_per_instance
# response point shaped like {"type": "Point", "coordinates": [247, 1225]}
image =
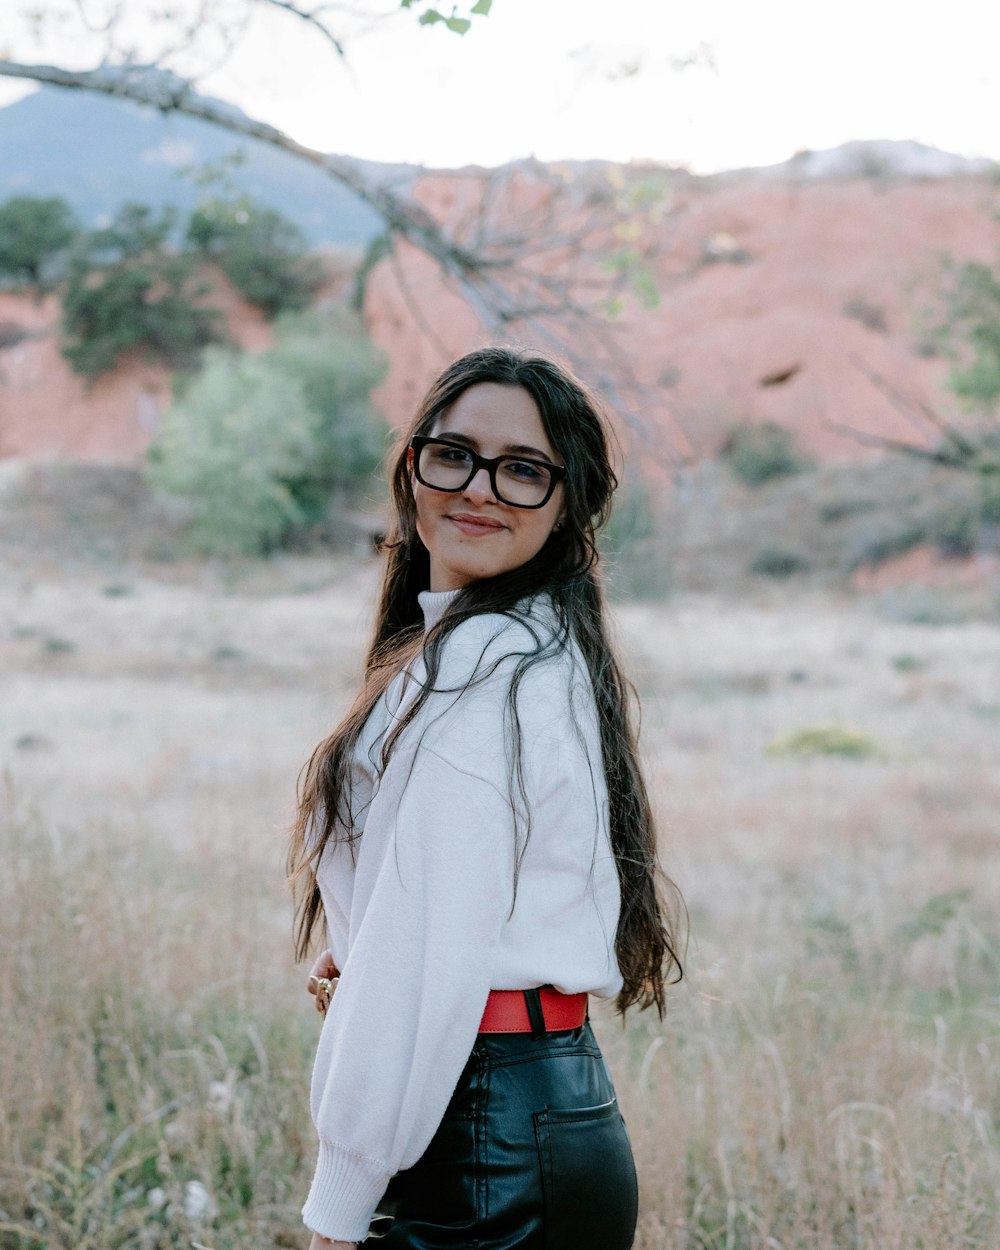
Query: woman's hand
{"type": "Point", "coordinates": [323, 970]}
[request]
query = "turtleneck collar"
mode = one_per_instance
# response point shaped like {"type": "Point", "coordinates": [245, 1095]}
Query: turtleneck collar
{"type": "Point", "coordinates": [434, 604]}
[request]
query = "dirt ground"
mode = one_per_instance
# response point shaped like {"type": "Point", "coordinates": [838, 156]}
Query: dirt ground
{"type": "Point", "coordinates": [839, 1004]}
{"type": "Point", "coordinates": [185, 688]}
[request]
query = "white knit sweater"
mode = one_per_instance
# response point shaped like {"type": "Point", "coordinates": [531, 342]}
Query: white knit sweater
{"type": "Point", "coordinates": [419, 911]}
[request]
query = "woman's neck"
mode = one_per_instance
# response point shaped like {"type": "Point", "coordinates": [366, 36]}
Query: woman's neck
{"type": "Point", "coordinates": [434, 604]}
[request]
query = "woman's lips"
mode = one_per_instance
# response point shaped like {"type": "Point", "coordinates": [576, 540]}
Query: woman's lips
{"type": "Point", "coordinates": [475, 526]}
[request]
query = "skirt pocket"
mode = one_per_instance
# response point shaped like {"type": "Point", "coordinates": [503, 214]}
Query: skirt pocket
{"type": "Point", "coordinates": [589, 1189]}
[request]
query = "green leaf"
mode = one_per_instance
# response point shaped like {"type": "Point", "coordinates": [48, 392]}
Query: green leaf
{"type": "Point", "coordinates": [482, 8]}
{"type": "Point", "coordinates": [933, 917]}
{"type": "Point", "coordinates": [645, 288]}
{"type": "Point", "coordinates": [458, 24]}
{"type": "Point", "coordinates": [431, 18]}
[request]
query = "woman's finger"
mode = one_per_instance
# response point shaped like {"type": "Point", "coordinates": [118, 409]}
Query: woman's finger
{"type": "Point", "coordinates": [322, 981]}
{"type": "Point", "coordinates": [323, 967]}
{"type": "Point", "coordinates": [323, 988]}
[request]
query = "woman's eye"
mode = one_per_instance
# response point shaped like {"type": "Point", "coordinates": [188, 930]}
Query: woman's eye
{"type": "Point", "coordinates": [523, 470]}
{"type": "Point", "coordinates": [450, 455]}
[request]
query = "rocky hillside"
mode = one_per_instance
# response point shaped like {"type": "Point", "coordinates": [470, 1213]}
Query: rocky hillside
{"type": "Point", "coordinates": [784, 295]}
{"type": "Point", "coordinates": [794, 294]}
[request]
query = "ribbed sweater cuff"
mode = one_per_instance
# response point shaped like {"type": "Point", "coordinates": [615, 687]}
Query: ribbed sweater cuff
{"type": "Point", "coordinates": [344, 1193]}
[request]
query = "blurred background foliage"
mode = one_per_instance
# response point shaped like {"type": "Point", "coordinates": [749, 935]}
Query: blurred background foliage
{"type": "Point", "coordinates": [144, 282]}
{"type": "Point", "coordinates": [263, 445]}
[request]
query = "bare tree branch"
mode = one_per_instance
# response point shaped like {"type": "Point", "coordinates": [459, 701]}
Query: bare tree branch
{"type": "Point", "coordinates": [952, 458]}
{"type": "Point", "coordinates": [312, 17]}
{"type": "Point", "coordinates": [169, 93]}
{"type": "Point", "coordinates": [964, 450]}
{"type": "Point", "coordinates": [544, 279]}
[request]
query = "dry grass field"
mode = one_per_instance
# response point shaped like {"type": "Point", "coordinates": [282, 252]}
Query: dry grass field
{"type": "Point", "coordinates": [828, 1076]}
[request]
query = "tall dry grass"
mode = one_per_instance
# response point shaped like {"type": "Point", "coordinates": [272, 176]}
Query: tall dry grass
{"type": "Point", "coordinates": [827, 1077]}
{"type": "Point", "coordinates": [830, 1079]}
{"type": "Point", "coordinates": [155, 1057]}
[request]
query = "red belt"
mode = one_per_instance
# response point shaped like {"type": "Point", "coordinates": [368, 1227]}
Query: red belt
{"type": "Point", "coordinates": [507, 1011]}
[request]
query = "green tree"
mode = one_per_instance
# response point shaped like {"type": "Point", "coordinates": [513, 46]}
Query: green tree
{"type": "Point", "coordinates": [329, 353]}
{"type": "Point", "coordinates": [971, 333]}
{"type": "Point", "coordinates": [128, 289]}
{"type": "Point", "coordinates": [261, 444]}
{"type": "Point", "coordinates": [758, 453]}
{"type": "Point", "coordinates": [35, 234]}
{"type": "Point", "coordinates": [261, 252]}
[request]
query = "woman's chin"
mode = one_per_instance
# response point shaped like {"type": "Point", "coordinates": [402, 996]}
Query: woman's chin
{"type": "Point", "coordinates": [464, 573]}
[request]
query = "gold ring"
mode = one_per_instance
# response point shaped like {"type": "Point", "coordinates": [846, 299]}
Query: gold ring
{"type": "Point", "coordinates": [324, 990]}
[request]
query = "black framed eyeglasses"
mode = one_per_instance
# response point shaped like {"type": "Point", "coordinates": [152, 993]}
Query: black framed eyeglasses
{"type": "Point", "coordinates": [519, 481]}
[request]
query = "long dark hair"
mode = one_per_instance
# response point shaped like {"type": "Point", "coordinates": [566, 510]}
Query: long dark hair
{"type": "Point", "coordinates": [565, 569]}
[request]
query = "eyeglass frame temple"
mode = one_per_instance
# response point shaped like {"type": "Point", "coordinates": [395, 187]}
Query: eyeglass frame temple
{"type": "Point", "coordinates": [490, 464]}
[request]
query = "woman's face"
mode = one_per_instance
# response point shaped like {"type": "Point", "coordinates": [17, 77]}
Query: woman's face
{"type": "Point", "coordinates": [469, 533]}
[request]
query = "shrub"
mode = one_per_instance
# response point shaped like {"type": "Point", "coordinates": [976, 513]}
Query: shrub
{"type": "Point", "coordinates": [635, 545]}
{"type": "Point", "coordinates": [377, 250]}
{"type": "Point", "coordinates": [955, 531]}
{"type": "Point", "coordinates": [259, 443]}
{"type": "Point", "coordinates": [989, 498]}
{"type": "Point", "coordinates": [934, 917]}
{"type": "Point", "coordinates": [758, 453]}
{"type": "Point", "coordinates": [812, 740]}
{"type": "Point", "coordinates": [331, 356]}
{"type": "Point", "coordinates": [260, 251]}
{"type": "Point", "coordinates": [779, 562]}
{"type": "Point", "coordinates": [35, 234]}
{"type": "Point", "coordinates": [236, 442]}
{"type": "Point", "coordinates": [58, 646]}
{"type": "Point", "coordinates": [870, 315]}
{"type": "Point", "coordinates": [971, 333]}
{"type": "Point", "coordinates": [907, 662]}
{"type": "Point", "coordinates": [921, 605]}
{"type": "Point", "coordinates": [839, 509]}
{"type": "Point", "coordinates": [127, 289]}
{"type": "Point", "coordinates": [885, 543]}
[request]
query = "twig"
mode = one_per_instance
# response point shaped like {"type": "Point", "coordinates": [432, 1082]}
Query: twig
{"type": "Point", "coordinates": [311, 17]}
{"type": "Point", "coordinates": [907, 406]}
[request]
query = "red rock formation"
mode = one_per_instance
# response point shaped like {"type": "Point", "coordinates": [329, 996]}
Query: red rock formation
{"type": "Point", "coordinates": [48, 410]}
{"type": "Point", "coordinates": [781, 299]}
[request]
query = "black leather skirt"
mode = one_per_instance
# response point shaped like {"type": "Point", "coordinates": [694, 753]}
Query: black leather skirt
{"type": "Point", "coordinates": [532, 1153]}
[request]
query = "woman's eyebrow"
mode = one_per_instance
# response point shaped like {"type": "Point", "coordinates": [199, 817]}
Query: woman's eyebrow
{"type": "Point", "coordinates": [510, 449]}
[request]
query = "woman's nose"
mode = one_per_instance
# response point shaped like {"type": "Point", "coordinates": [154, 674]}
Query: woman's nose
{"type": "Point", "coordinates": [479, 486]}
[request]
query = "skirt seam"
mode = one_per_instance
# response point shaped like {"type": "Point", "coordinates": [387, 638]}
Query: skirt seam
{"type": "Point", "coordinates": [575, 1052]}
{"type": "Point", "coordinates": [482, 1144]}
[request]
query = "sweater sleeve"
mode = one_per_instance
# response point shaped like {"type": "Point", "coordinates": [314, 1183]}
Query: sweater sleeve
{"type": "Point", "coordinates": [440, 839]}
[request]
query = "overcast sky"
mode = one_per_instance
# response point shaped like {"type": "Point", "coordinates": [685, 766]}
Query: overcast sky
{"type": "Point", "coordinates": [711, 84]}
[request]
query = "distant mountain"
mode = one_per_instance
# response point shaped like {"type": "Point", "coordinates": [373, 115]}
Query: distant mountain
{"type": "Point", "coordinates": [97, 152]}
{"type": "Point", "coordinates": [879, 158]}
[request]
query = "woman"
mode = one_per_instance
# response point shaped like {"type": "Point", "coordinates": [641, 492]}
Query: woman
{"type": "Point", "coordinates": [477, 836]}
